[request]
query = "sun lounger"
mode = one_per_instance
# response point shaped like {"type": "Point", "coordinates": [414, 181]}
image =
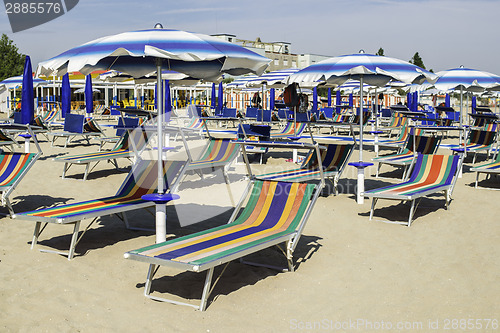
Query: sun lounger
{"type": "Point", "coordinates": [334, 158]}
{"type": "Point", "coordinates": [275, 213]}
{"type": "Point", "coordinates": [480, 141]}
{"type": "Point", "coordinates": [77, 125]}
{"type": "Point", "coordinates": [491, 168]}
{"type": "Point", "coordinates": [431, 174]}
{"type": "Point", "coordinates": [14, 166]}
{"type": "Point", "coordinates": [142, 179]}
{"type": "Point", "coordinates": [218, 154]}
{"type": "Point", "coordinates": [290, 131]}
{"type": "Point", "coordinates": [123, 149]}
{"type": "Point", "coordinates": [423, 145]}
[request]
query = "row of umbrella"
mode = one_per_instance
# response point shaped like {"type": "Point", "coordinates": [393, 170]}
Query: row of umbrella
{"type": "Point", "coordinates": [140, 53]}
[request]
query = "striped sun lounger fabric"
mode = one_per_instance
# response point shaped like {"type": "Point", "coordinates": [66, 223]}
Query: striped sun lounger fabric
{"type": "Point", "coordinates": [274, 209]}
{"type": "Point", "coordinates": [290, 130]}
{"type": "Point", "coordinates": [219, 152]}
{"type": "Point", "coordinates": [480, 140]}
{"type": "Point", "coordinates": [143, 179]}
{"type": "Point", "coordinates": [431, 174]}
{"type": "Point", "coordinates": [423, 145]}
{"type": "Point", "coordinates": [488, 168]}
{"type": "Point", "coordinates": [12, 166]}
{"type": "Point", "coordinates": [275, 212]}
{"type": "Point", "coordinates": [334, 159]}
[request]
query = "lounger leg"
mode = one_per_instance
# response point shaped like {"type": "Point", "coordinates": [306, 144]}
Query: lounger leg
{"type": "Point", "coordinates": [86, 171]}
{"type": "Point", "coordinates": [477, 179]}
{"type": "Point", "coordinates": [151, 272]}
{"type": "Point", "coordinates": [9, 207]}
{"type": "Point", "coordinates": [378, 169]}
{"type": "Point", "coordinates": [374, 202]}
{"type": "Point", "coordinates": [64, 170]}
{"type": "Point", "coordinates": [74, 238]}
{"type": "Point", "coordinates": [36, 233]}
{"type": "Point", "coordinates": [412, 211]}
{"type": "Point", "coordinates": [206, 289]}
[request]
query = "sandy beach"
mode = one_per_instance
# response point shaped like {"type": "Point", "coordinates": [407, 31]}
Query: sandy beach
{"type": "Point", "coordinates": [352, 274]}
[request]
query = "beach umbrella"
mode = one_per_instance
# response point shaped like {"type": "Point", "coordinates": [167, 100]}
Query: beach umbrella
{"type": "Point", "coordinates": [220, 98]}
{"type": "Point", "coordinates": [465, 79]}
{"type": "Point", "coordinates": [367, 68]}
{"type": "Point", "coordinates": [65, 96]}
{"type": "Point", "coordinates": [447, 101]}
{"type": "Point", "coordinates": [315, 99]}
{"type": "Point", "coordinates": [89, 98]}
{"type": "Point", "coordinates": [213, 102]}
{"type": "Point", "coordinates": [274, 79]}
{"type": "Point", "coordinates": [27, 99]}
{"type": "Point", "coordinates": [351, 100]}
{"type": "Point", "coordinates": [338, 101]}
{"type": "Point", "coordinates": [272, 96]}
{"type": "Point", "coordinates": [474, 104]}
{"type": "Point", "coordinates": [139, 53]}
{"type": "Point", "coordinates": [17, 81]}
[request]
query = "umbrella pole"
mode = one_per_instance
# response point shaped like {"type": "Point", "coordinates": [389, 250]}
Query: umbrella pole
{"type": "Point", "coordinates": [161, 207]}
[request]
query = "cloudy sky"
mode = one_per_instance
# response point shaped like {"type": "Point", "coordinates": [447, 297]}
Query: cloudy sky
{"type": "Point", "coordinates": [446, 33]}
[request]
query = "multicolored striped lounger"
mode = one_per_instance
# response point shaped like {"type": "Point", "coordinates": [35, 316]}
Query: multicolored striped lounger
{"type": "Point", "coordinates": [431, 174]}
{"type": "Point", "coordinates": [334, 159]}
{"type": "Point", "coordinates": [290, 130]}
{"type": "Point", "coordinates": [276, 212]}
{"type": "Point", "coordinates": [123, 149]}
{"type": "Point", "coordinates": [219, 153]}
{"type": "Point", "coordinates": [142, 179]}
{"type": "Point", "coordinates": [13, 167]}
{"type": "Point", "coordinates": [423, 145]}
{"type": "Point", "coordinates": [401, 139]}
{"type": "Point", "coordinates": [479, 141]}
{"type": "Point", "coordinates": [491, 168]}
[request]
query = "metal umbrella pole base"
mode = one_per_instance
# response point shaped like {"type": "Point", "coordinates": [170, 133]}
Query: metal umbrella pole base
{"type": "Point", "coordinates": [160, 201]}
{"type": "Point", "coordinates": [360, 198]}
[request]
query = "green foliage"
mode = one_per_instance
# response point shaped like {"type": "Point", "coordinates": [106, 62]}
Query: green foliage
{"type": "Point", "coordinates": [228, 80]}
{"type": "Point", "coordinates": [380, 52]}
{"type": "Point", "coordinates": [11, 61]}
{"type": "Point", "coordinates": [417, 61]}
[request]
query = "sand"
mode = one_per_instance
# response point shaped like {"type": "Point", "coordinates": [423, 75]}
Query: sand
{"type": "Point", "coordinates": [352, 274]}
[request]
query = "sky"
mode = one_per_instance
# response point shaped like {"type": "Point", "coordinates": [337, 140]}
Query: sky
{"type": "Point", "coordinates": [445, 33]}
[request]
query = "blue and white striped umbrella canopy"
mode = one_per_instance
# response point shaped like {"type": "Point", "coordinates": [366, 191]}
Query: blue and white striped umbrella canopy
{"type": "Point", "coordinates": [17, 81]}
{"type": "Point", "coordinates": [241, 82]}
{"type": "Point", "coordinates": [274, 79]}
{"type": "Point", "coordinates": [466, 79]}
{"type": "Point", "coordinates": [375, 70]}
{"type": "Point", "coordinates": [136, 53]}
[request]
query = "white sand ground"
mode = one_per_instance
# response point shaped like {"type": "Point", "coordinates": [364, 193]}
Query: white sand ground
{"type": "Point", "coordinates": [353, 274]}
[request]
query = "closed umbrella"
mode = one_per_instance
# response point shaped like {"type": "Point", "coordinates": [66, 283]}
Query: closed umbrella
{"type": "Point", "coordinates": [367, 68]}
{"type": "Point", "coordinates": [447, 101]}
{"type": "Point", "coordinates": [329, 102]}
{"type": "Point", "coordinates": [139, 53]}
{"type": "Point", "coordinates": [220, 98]}
{"type": "Point", "coordinates": [27, 106]}
{"type": "Point", "coordinates": [89, 98]}
{"type": "Point", "coordinates": [65, 96]}
{"type": "Point", "coordinates": [272, 97]}
{"type": "Point", "coordinates": [338, 101]}
{"type": "Point", "coordinates": [213, 101]}
{"type": "Point", "coordinates": [315, 99]}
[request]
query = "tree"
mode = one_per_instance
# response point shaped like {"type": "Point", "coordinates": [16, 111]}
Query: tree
{"type": "Point", "coordinates": [380, 52]}
{"type": "Point", "coordinates": [11, 61]}
{"type": "Point", "coordinates": [417, 61]}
